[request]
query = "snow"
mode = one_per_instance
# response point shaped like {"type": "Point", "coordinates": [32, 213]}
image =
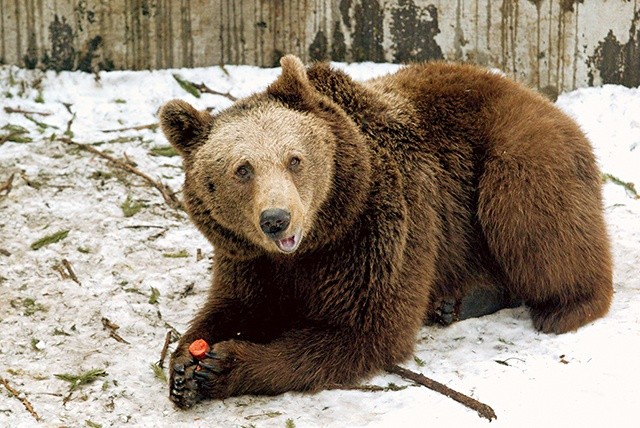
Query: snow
{"type": "Point", "coordinates": [587, 378]}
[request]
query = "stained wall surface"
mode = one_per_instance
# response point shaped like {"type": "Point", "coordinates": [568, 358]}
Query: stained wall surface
{"type": "Point", "coordinates": [554, 45]}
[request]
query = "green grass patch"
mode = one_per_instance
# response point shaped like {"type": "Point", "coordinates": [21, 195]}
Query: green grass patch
{"type": "Point", "coordinates": [50, 239]}
{"type": "Point", "coordinates": [39, 124]}
{"type": "Point", "coordinates": [15, 128]}
{"type": "Point", "coordinates": [100, 175]}
{"type": "Point", "coordinates": [34, 344]}
{"type": "Point", "coordinates": [167, 151]}
{"type": "Point", "coordinates": [187, 86]}
{"type": "Point", "coordinates": [180, 254]}
{"type": "Point", "coordinates": [628, 186]}
{"type": "Point", "coordinates": [131, 207]}
{"type": "Point", "coordinates": [15, 134]}
{"type": "Point", "coordinates": [120, 101]}
{"type": "Point", "coordinates": [77, 380]}
{"type": "Point", "coordinates": [158, 372]}
{"type": "Point", "coordinates": [28, 305]}
{"type": "Point", "coordinates": [419, 362]}
{"type": "Point", "coordinates": [155, 296]}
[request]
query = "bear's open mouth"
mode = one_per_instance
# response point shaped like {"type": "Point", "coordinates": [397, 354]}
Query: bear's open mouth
{"type": "Point", "coordinates": [290, 244]}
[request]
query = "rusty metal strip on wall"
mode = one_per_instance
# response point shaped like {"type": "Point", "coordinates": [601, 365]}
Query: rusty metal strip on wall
{"type": "Point", "coordinates": [549, 44]}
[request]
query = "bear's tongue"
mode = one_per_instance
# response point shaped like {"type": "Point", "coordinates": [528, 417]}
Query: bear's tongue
{"type": "Point", "coordinates": [287, 244]}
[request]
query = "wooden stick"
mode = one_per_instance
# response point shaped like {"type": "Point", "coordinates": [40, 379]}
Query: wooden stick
{"type": "Point", "coordinates": [24, 400]}
{"type": "Point", "coordinates": [167, 194]}
{"type": "Point", "coordinates": [207, 90]}
{"type": "Point", "coordinates": [112, 327]}
{"type": "Point", "coordinates": [165, 348]}
{"type": "Point", "coordinates": [366, 388]}
{"type": "Point", "coordinates": [483, 410]}
{"type": "Point", "coordinates": [134, 128]}
{"type": "Point", "coordinates": [19, 110]}
{"type": "Point", "coordinates": [70, 271]}
{"type": "Point", "coordinates": [7, 185]}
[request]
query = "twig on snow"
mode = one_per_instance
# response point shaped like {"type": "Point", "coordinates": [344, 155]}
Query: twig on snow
{"type": "Point", "coordinates": [68, 131]}
{"type": "Point", "coordinates": [166, 193]}
{"type": "Point", "coordinates": [70, 271]}
{"type": "Point", "coordinates": [24, 400]}
{"type": "Point", "coordinates": [483, 410]}
{"type": "Point", "coordinates": [152, 126]}
{"type": "Point", "coordinates": [367, 388]}
{"type": "Point", "coordinates": [7, 185]}
{"type": "Point", "coordinates": [19, 110]}
{"type": "Point", "coordinates": [112, 327]}
{"type": "Point", "coordinates": [165, 348]}
{"type": "Point", "coordinates": [196, 89]}
{"type": "Point", "coordinates": [207, 90]}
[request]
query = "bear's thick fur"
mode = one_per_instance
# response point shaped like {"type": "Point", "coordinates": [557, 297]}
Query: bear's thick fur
{"type": "Point", "coordinates": [343, 214]}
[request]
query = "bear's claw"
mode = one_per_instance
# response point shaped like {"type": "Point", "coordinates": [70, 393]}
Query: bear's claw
{"type": "Point", "coordinates": [193, 380]}
{"type": "Point", "coordinates": [446, 312]}
{"type": "Point", "coordinates": [209, 367]}
{"type": "Point", "coordinates": [184, 387]}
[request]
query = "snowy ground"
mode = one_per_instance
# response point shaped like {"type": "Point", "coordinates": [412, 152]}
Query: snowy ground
{"type": "Point", "coordinates": [143, 274]}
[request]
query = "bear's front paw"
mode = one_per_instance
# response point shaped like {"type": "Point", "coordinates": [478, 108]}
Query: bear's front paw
{"type": "Point", "coordinates": [213, 372]}
{"type": "Point", "coordinates": [193, 380]}
{"type": "Point", "coordinates": [183, 387]}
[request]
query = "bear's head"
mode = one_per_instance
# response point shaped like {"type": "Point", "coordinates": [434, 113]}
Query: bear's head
{"type": "Point", "coordinates": [262, 176]}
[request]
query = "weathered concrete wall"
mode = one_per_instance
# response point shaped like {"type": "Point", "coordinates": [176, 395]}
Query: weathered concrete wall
{"type": "Point", "coordinates": [558, 44]}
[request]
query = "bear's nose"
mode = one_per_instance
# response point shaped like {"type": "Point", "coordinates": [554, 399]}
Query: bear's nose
{"type": "Point", "coordinates": [274, 220]}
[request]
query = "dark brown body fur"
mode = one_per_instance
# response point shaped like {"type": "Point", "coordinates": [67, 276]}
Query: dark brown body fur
{"type": "Point", "coordinates": [446, 177]}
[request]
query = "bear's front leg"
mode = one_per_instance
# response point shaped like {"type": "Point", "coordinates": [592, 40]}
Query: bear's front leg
{"type": "Point", "coordinates": [220, 320]}
{"type": "Point", "coordinates": [300, 360]}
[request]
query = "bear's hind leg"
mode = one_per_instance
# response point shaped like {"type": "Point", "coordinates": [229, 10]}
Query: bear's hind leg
{"type": "Point", "coordinates": [544, 225]}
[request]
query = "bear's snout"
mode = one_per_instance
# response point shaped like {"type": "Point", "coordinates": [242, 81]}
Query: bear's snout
{"type": "Point", "coordinates": [274, 220]}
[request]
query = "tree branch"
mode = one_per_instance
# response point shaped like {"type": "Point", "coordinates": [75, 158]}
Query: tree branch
{"type": "Point", "coordinates": [7, 185]}
{"type": "Point", "coordinates": [152, 126]}
{"type": "Point", "coordinates": [24, 400]}
{"type": "Point", "coordinates": [483, 410]}
{"type": "Point", "coordinates": [167, 194]}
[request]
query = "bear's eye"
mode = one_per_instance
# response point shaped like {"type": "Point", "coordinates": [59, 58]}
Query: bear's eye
{"type": "Point", "coordinates": [294, 163]}
{"type": "Point", "coordinates": [243, 172]}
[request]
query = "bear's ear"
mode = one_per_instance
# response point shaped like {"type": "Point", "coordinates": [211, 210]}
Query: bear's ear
{"type": "Point", "coordinates": [184, 126]}
{"type": "Point", "coordinates": [292, 87]}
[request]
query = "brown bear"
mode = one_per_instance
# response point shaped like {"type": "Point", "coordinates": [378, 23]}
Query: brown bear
{"type": "Point", "coordinates": [344, 214]}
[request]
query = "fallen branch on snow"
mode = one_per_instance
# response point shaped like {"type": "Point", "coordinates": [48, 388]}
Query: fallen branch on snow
{"type": "Point", "coordinates": [24, 400]}
{"type": "Point", "coordinates": [19, 110]}
{"type": "Point", "coordinates": [152, 126]}
{"type": "Point", "coordinates": [70, 271]}
{"type": "Point", "coordinates": [7, 185]}
{"type": "Point", "coordinates": [165, 348]}
{"type": "Point", "coordinates": [107, 324]}
{"type": "Point", "coordinates": [483, 410]}
{"type": "Point", "coordinates": [207, 90]}
{"type": "Point", "coordinates": [166, 193]}
{"type": "Point", "coordinates": [196, 89]}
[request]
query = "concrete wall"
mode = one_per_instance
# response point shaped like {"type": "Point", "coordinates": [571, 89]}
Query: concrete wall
{"type": "Point", "coordinates": [553, 44]}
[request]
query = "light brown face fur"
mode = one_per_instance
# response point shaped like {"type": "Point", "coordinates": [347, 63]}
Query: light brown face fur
{"type": "Point", "coordinates": [270, 158]}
